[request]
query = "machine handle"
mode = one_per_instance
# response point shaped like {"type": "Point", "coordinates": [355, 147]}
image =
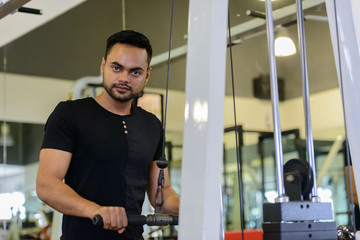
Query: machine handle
{"type": "Point", "coordinates": [150, 220]}
{"type": "Point", "coordinates": [136, 220]}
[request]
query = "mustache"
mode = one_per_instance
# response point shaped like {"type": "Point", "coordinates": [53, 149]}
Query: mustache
{"type": "Point", "coordinates": [121, 85]}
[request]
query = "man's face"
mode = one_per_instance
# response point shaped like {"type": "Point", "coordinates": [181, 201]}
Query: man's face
{"type": "Point", "coordinates": [125, 72]}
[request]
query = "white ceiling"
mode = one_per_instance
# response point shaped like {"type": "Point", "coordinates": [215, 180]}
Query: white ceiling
{"type": "Point", "coordinates": [18, 24]}
{"type": "Point", "coordinates": [75, 39]}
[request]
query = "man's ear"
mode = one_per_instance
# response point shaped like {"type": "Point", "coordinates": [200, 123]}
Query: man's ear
{"type": "Point", "coordinates": [147, 75]}
{"type": "Point", "coordinates": [103, 61]}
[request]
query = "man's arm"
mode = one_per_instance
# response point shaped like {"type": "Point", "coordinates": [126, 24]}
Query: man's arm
{"type": "Point", "coordinates": [52, 190]}
{"type": "Point", "coordinates": [171, 199]}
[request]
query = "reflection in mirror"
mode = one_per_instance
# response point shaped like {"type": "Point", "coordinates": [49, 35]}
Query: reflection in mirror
{"type": "Point", "coordinates": [21, 211]}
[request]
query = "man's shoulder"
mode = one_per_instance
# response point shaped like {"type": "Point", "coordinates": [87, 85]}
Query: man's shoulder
{"type": "Point", "coordinates": [70, 108]}
{"type": "Point", "coordinates": [72, 102]}
{"type": "Point", "coordinates": [82, 101]}
{"type": "Point", "coordinates": [78, 103]}
{"type": "Point", "coordinates": [146, 114]}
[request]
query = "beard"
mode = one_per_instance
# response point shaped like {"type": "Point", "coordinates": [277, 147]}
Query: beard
{"type": "Point", "coordinates": [121, 97]}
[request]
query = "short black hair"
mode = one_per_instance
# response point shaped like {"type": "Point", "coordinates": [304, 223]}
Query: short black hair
{"type": "Point", "coordinates": [132, 38]}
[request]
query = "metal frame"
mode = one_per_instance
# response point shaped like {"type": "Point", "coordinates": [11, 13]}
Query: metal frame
{"type": "Point", "coordinates": [345, 37]}
{"type": "Point", "coordinates": [11, 6]}
{"type": "Point", "coordinates": [203, 131]}
{"type": "Point", "coordinates": [200, 205]}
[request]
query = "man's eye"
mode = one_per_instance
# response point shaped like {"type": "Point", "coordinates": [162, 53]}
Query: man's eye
{"type": "Point", "coordinates": [136, 73]}
{"type": "Point", "coordinates": [115, 68]}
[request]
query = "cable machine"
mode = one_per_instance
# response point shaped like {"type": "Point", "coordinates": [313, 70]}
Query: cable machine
{"type": "Point", "coordinates": [302, 219]}
{"type": "Point", "coordinates": [285, 219]}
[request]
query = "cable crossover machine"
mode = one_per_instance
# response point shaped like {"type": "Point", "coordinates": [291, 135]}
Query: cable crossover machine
{"type": "Point", "coordinates": [298, 213]}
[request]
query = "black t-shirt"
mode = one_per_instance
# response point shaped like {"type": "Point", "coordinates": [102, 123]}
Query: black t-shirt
{"type": "Point", "coordinates": [110, 161]}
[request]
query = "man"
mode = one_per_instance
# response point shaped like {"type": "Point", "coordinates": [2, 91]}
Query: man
{"type": "Point", "coordinates": [104, 148]}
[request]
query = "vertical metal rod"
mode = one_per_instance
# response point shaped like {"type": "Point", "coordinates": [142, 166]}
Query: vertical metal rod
{"type": "Point", "coordinates": [309, 137]}
{"type": "Point", "coordinates": [3, 181]}
{"type": "Point", "coordinates": [275, 99]}
{"type": "Point", "coordinates": [262, 158]}
{"type": "Point", "coordinates": [226, 203]}
{"type": "Point", "coordinates": [275, 105]}
{"type": "Point", "coordinates": [123, 15]}
{"type": "Point", "coordinates": [222, 225]}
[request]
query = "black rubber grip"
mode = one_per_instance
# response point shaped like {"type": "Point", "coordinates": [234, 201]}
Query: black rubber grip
{"type": "Point", "coordinates": [98, 221]}
{"type": "Point", "coordinates": [136, 220]}
{"type": "Point", "coordinates": [175, 220]}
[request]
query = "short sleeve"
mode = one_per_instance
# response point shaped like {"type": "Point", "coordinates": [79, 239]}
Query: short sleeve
{"type": "Point", "coordinates": [60, 131]}
{"type": "Point", "coordinates": [159, 150]}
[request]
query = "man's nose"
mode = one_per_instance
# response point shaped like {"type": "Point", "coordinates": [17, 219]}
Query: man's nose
{"type": "Point", "coordinates": [123, 77]}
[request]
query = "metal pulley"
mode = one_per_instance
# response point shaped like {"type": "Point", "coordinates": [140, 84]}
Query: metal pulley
{"type": "Point", "coordinates": [298, 180]}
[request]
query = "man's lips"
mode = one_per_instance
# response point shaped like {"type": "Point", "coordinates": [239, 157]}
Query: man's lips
{"type": "Point", "coordinates": [122, 87]}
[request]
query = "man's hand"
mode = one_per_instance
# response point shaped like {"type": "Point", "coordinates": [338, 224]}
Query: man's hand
{"type": "Point", "coordinates": [114, 218]}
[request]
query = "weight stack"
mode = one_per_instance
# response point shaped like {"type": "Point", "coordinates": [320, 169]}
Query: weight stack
{"type": "Point", "coordinates": [298, 220]}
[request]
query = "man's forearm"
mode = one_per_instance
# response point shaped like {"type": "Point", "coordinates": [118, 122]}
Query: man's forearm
{"type": "Point", "coordinates": [171, 202]}
{"type": "Point", "coordinates": [64, 199]}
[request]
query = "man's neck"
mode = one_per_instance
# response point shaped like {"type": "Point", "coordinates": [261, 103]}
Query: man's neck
{"type": "Point", "coordinates": [110, 104]}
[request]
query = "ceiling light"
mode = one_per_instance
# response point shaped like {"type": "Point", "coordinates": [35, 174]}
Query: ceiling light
{"type": "Point", "coordinates": [284, 46]}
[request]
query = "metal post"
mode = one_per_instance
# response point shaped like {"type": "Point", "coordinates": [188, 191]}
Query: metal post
{"type": "Point", "coordinates": [305, 81]}
{"type": "Point", "coordinates": [345, 35]}
{"type": "Point", "coordinates": [275, 106]}
{"type": "Point", "coordinates": [204, 120]}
